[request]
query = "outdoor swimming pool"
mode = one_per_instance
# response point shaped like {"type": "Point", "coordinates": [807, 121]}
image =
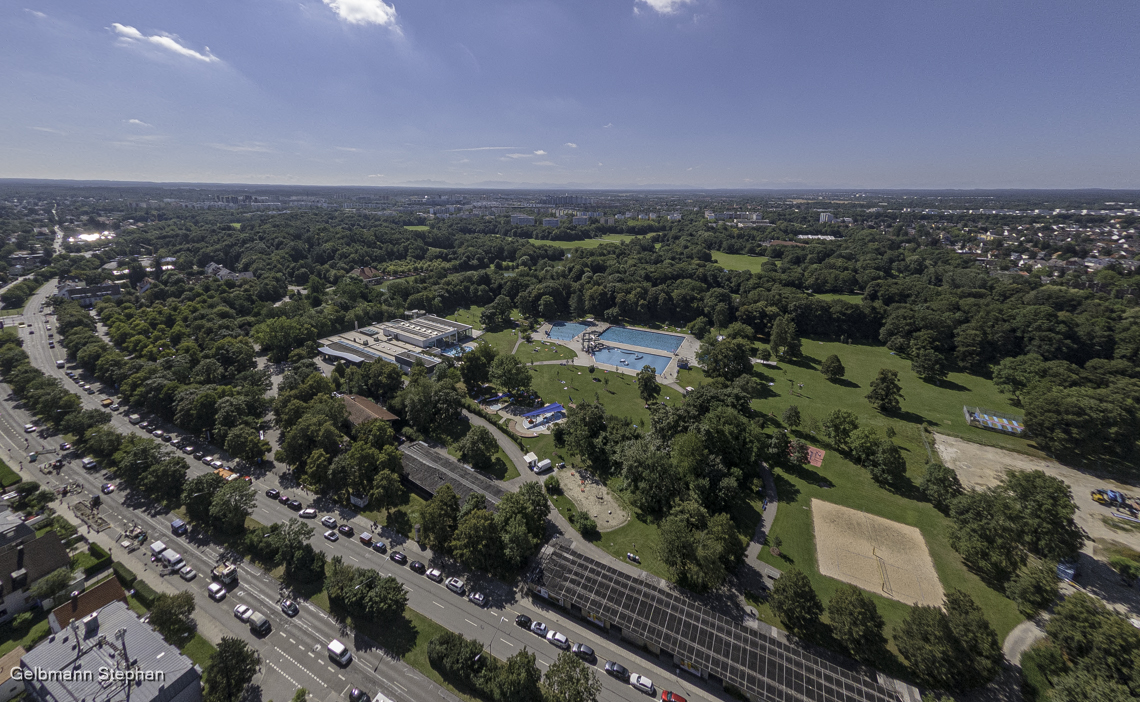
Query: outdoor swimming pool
{"type": "Point", "coordinates": [640, 337]}
{"type": "Point", "coordinates": [565, 331]}
{"type": "Point", "coordinates": [614, 358]}
{"type": "Point", "coordinates": [457, 351]}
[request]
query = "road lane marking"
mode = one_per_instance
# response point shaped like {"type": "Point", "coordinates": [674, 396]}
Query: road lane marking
{"type": "Point", "coordinates": [399, 685]}
{"type": "Point", "coordinates": [470, 622]}
{"type": "Point", "coordinates": [507, 643]}
{"type": "Point", "coordinates": [437, 604]}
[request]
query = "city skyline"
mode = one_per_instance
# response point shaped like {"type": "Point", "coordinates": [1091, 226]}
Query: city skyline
{"type": "Point", "coordinates": [666, 93]}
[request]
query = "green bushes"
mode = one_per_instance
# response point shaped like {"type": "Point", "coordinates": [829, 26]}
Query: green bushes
{"type": "Point", "coordinates": [464, 663]}
{"type": "Point", "coordinates": [102, 560]}
{"type": "Point", "coordinates": [145, 594]}
{"type": "Point", "coordinates": [553, 487]}
{"type": "Point", "coordinates": [125, 575]}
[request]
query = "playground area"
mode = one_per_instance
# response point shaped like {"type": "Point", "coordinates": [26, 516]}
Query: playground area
{"type": "Point", "coordinates": [875, 554]}
{"type": "Point", "coordinates": [590, 495]}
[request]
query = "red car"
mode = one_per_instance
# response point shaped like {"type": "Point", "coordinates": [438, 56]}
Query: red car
{"type": "Point", "coordinates": [667, 696]}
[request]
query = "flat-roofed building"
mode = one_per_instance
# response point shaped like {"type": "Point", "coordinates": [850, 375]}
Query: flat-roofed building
{"type": "Point", "coordinates": [426, 331]}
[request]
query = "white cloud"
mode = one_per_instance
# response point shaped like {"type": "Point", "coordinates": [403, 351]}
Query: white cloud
{"type": "Point", "coordinates": [520, 155]}
{"type": "Point", "coordinates": [37, 15]}
{"type": "Point", "coordinates": [607, 126]}
{"type": "Point", "coordinates": [364, 11]}
{"type": "Point", "coordinates": [487, 148]}
{"type": "Point", "coordinates": [243, 148]}
{"type": "Point", "coordinates": [49, 130]}
{"type": "Point", "coordinates": [665, 7]}
{"type": "Point", "coordinates": [571, 144]}
{"type": "Point", "coordinates": [540, 152]}
{"type": "Point", "coordinates": [377, 175]}
{"type": "Point", "coordinates": [352, 149]}
{"type": "Point", "coordinates": [544, 163]}
{"type": "Point", "coordinates": [139, 123]}
{"type": "Point", "coordinates": [130, 35]}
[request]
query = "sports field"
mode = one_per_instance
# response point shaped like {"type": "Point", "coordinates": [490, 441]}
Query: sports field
{"type": "Point", "coordinates": [875, 554]}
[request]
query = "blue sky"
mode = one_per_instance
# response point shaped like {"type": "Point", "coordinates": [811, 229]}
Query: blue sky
{"type": "Point", "coordinates": [601, 93]}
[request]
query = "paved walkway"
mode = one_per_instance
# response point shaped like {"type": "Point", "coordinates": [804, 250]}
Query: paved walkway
{"type": "Point", "coordinates": [1022, 637]}
{"type": "Point", "coordinates": [752, 553]}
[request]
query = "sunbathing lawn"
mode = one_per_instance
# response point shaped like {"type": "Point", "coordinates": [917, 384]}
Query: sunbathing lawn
{"type": "Point", "coordinates": [538, 350]}
{"type": "Point", "coordinates": [199, 650]}
{"type": "Point", "coordinates": [588, 243]}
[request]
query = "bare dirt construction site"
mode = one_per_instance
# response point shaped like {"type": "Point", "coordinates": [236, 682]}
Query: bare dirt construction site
{"type": "Point", "coordinates": [980, 466]}
{"type": "Point", "coordinates": [876, 554]}
{"type": "Point", "coordinates": [592, 497]}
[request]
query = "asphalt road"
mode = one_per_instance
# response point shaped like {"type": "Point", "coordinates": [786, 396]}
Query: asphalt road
{"type": "Point", "coordinates": [294, 652]}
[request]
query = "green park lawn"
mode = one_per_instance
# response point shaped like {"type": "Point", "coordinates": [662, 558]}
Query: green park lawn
{"type": "Point", "coordinates": [853, 299]}
{"type": "Point", "coordinates": [738, 262]}
{"type": "Point", "coordinates": [939, 406]}
{"type": "Point", "coordinates": [417, 227]}
{"type": "Point", "coordinates": [543, 351]}
{"type": "Point", "coordinates": [504, 340]}
{"type": "Point", "coordinates": [587, 243]}
{"type": "Point", "coordinates": [199, 650]}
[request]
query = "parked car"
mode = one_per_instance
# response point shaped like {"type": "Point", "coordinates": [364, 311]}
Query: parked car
{"type": "Point", "coordinates": [477, 598]}
{"type": "Point", "coordinates": [417, 567]}
{"type": "Point", "coordinates": [108, 488]}
{"type": "Point", "coordinates": [308, 513]}
{"type": "Point", "coordinates": [199, 455]}
{"type": "Point", "coordinates": [273, 493]}
{"type": "Point", "coordinates": [523, 621]}
{"type": "Point", "coordinates": [114, 407]}
{"type": "Point", "coordinates": [346, 530]}
{"type": "Point", "coordinates": [243, 612]}
{"type": "Point", "coordinates": [216, 592]}
{"type": "Point", "coordinates": [398, 558]}
{"type": "Point", "coordinates": [30, 428]}
{"type": "Point", "coordinates": [328, 521]}
{"type": "Point", "coordinates": [295, 505]}
{"type": "Point", "coordinates": [284, 499]}
{"type": "Point", "coordinates": [617, 670]}
{"type": "Point", "coordinates": [65, 446]}
{"type": "Point", "coordinates": [188, 449]}
{"type": "Point", "coordinates": [667, 696]}
{"type": "Point", "coordinates": [558, 639]}
{"type": "Point", "coordinates": [379, 546]}
{"type": "Point", "coordinates": [159, 434]}
{"type": "Point", "coordinates": [538, 628]}
{"type": "Point", "coordinates": [583, 651]}
{"type": "Point", "coordinates": [435, 575]}
{"type": "Point", "coordinates": [456, 585]}
{"type": "Point", "coordinates": [187, 574]}
{"type": "Point", "coordinates": [641, 683]}
{"type": "Point", "coordinates": [290, 608]}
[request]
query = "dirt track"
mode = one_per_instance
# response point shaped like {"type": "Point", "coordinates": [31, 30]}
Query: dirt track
{"type": "Point", "coordinates": [980, 466]}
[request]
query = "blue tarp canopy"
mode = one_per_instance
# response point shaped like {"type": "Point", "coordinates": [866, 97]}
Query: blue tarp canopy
{"type": "Point", "coordinates": [546, 410]}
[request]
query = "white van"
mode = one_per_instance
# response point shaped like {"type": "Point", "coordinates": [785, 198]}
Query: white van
{"type": "Point", "coordinates": [60, 364]}
{"type": "Point", "coordinates": [543, 466]}
{"type": "Point", "coordinates": [89, 463]}
{"type": "Point", "coordinates": [170, 558]}
{"type": "Point", "coordinates": [134, 419]}
{"type": "Point", "coordinates": [339, 652]}
{"type": "Point", "coordinates": [157, 548]}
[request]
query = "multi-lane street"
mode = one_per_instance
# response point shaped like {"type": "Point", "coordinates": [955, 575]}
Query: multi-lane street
{"type": "Point", "coordinates": [293, 653]}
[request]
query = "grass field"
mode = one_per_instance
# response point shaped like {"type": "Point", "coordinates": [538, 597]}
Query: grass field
{"type": "Point", "coordinates": [199, 650]}
{"type": "Point", "coordinates": [587, 243]}
{"type": "Point", "coordinates": [543, 351]}
{"type": "Point", "coordinates": [504, 340]}
{"type": "Point", "coordinates": [937, 405]}
{"type": "Point", "coordinates": [417, 227]}
{"type": "Point", "coordinates": [11, 312]}
{"type": "Point", "coordinates": [738, 262]}
{"type": "Point", "coordinates": [853, 299]}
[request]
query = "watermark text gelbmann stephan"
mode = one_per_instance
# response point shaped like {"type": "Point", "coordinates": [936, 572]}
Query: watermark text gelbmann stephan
{"type": "Point", "coordinates": [102, 674]}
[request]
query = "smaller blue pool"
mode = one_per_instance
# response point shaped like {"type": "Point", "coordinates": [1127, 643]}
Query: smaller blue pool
{"type": "Point", "coordinates": [457, 351]}
{"type": "Point", "coordinates": [565, 331]}
{"type": "Point", "coordinates": [643, 338]}
{"type": "Point", "coordinates": [614, 357]}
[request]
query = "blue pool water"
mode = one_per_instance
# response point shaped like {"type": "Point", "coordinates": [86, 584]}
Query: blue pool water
{"type": "Point", "coordinates": [565, 331]}
{"type": "Point", "coordinates": [614, 358]}
{"type": "Point", "coordinates": [640, 337]}
{"type": "Point", "coordinates": [457, 351]}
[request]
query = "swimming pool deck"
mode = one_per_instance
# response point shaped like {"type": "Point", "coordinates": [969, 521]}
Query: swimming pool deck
{"type": "Point", "coordinates": [688, 349]}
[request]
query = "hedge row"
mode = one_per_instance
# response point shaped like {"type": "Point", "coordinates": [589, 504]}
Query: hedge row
{"type": "Point", "coordinates": [125, 575]}
{"type": "Point", "coordinates": [145, 593]}
{"type": "Point", "coordinates": [102, 560]}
